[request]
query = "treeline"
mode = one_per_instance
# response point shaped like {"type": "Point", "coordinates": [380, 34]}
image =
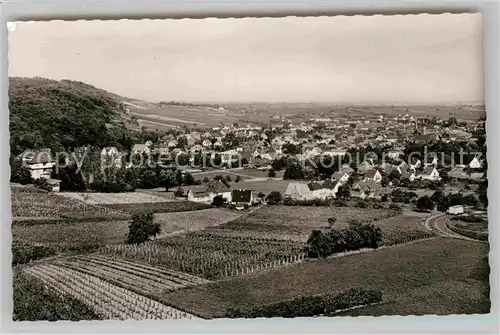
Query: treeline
{"type": "Point", "coordinates": [357, 236]}
{"type": "Point", "coordinates": [308, 306]}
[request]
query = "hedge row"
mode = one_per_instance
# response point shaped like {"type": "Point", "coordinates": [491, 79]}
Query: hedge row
{"type": "Point", "coordinates": [319, 305]}
{"type": "Point", "coordinates": [468, 233]}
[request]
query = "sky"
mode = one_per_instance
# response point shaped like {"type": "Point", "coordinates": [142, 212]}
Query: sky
{"type": "Point", "coordinates": [376, 59]}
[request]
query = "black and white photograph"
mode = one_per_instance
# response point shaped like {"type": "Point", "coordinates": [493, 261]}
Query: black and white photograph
{"type": "Point", "coordinates": [277, 167]}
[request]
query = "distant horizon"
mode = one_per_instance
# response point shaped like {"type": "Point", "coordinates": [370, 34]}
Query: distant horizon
{"type": "Point", "coordinates": [390, 59]}
{"type": "Point", "coordinates": [333, 103]}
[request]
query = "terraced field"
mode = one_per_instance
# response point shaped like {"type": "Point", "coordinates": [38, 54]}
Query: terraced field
{"type": "Point", "coordinates": [108, 301]}
{"type": "Point", "coordinates": [211, 256]}
{"type": "Point", "coordinates": [30, 202]}
{"type": "Point", "coordinates": [134, 276]}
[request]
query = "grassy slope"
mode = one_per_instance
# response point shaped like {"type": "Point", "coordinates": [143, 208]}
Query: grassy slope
{"type": "Point", "coordinates": [395, 271]}
{"type": "Point", "coordinates": [33, 301]}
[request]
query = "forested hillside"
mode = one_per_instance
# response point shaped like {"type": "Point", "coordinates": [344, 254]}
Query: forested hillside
{"type": "Point", "coordinates": [62, 115]}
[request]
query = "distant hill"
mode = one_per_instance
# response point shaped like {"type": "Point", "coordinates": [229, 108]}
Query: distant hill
{"type": "Point", "coordinates": [62, 115]}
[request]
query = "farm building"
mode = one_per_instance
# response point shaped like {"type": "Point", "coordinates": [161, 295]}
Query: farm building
{"type": "Point", "coordinates": [209, 191]}
{"type": "Point", "coordinates": [366, 189]}
{"type": "Point", "coordinates": [241, 198]}
{"type": "Point", "coordinates": [39, 162]}
{"type": "Point", "coordinates": [54, 185]}
{"type": "Point", "coordinates": [457, 209]}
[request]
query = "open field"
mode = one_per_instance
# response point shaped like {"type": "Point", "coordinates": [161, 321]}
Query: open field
{"type": "Point", "coordinates": [71, 235]}
{"type": "Point", "coordinates": [113, 198]}
{"type": "Point", "coordinates": [158, 207]}
{"type": "Point", "coordinates": [264, 186]}
{"type": "Point", "coordinates": [108, 301]}
{"type": "Point", "coordinates": [211, 256]}
{"type": "Point", "coordinates": [193, 220]}
{"type": "Point", "coordinates": [395, 271]}
{"type": "Point", "coordinates": [296, 222]}
{"type": "Point", "coordinates": [401, 228]}
{"type": "Point", "coordinates": [30, 202]}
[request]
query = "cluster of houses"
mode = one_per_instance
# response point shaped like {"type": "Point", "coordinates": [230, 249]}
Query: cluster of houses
{"type": "Point", "coordinates": [240, 198]}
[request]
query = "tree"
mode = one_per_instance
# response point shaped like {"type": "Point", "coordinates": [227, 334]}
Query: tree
{"type": "Point", "coordinates": [206, 180]}
{"type": "Point", "coordinates": [228, 179]}
{"type": "Point", "coordinates": [142, 228]}
{"type": "Point", "coordinates": [331, 221]}
{"type": "Point", "coordinates": [189, 179]}
{"type": "Point", "coordinates": [274, 198]}
{"type": "Point", "coordinates": [168, 179]}
{"type": "Point", "coordinates": [71, 180]}
{"type": "Point", "coordinates": [317, 244]}
{"type": "Point", "coordinates": [238, 179]}
{"type": "Point", "coordinates": [294, 171]}
{"type": "Point", "coordinates": [443, 203]}
{"type": "Point", "coordinates": [271, 174]}
{"type": "Point", "coordinates": [261, 195]}
{"type": "Point", "coordinates": [425, 203]}
{"type": "Point", "coordinates": [219, 200]}
{"type": "Point", "coordinates": [19, 173]}
{"type": "Point", "coordinates": [344, 192]}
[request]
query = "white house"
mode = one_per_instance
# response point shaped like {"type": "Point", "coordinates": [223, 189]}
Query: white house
{"type": "Point", "coordinates": [475, 163]}
{"type": "Point", "coordinates": [298, 191]}
{"type": "Point", "coordinates": [457, 209]}
{"type": "Point", "coordinates": [430, 173]}
{"type": "Point", "coordinates": [374, 175]}
{"type": "Point", "coordinates": [209, 191]}
{"type": "Point", "coordinates": [142, 148]}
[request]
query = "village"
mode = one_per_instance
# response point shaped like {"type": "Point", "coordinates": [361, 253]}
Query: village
{"type": "Point", "coordinates": [294, 152]}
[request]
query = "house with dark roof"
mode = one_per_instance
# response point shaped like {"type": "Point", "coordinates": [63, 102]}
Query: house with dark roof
{"type": "Point", "coordinates": [241, 198]}
{"type": "Point", "coordinates": [38, 161]}
{"type": "Point", "coordinates": [373, 174]}
{"type": "Point", "coordinates": [341, 176]}
{"type": "Point", "coordinates": [366, 189]}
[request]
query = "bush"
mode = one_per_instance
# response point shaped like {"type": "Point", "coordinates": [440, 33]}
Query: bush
{"type": "Point", "coordinates": [179, 192]}
{"type": "Point", "coordinates": [326, 305]}
{"type": "Point", "coordinates": [206, 180]}
{"type": "Point", "coordinates": [425, 204]}
{"type": "Point", "coordinates": [340, 203]}
{"type": "Point", "coordinates": [261, 195]}
{"type": "Point", "coordinates": [274, 198]}
{"type": "Point", "coordinates": [142, 228]}
{"type": "Point", "coordinates": [19, 173]}
{"type": "Point", "coordinates": [219, 200]}
{"type": "Point", "coordinates": [22, 254]}
{"type": "Point", "coordinates": [355, 237]}
{"type": "Point", "coordinates": [395, 207]}
{"type": "Point", "coordinates": [238, 179]}
{"type": "Point", "coordinates": [271, 174]}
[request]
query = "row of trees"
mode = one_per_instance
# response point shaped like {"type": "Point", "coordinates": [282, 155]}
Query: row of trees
{"type": "Point", "coordinates": [358, 235]}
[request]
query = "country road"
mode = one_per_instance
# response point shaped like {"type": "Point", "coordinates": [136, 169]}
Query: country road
{"type": "Point", "coordinates": [437, 224]}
